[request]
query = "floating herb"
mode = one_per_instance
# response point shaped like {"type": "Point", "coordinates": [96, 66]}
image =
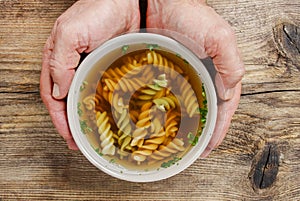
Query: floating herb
{"type": "Point", "coordinates": [203, 120]}
{"type": "Point", "coordinates": [98, 152]}
{"type": "Point", "coordinates": [79, 111]}
{"type": "Point", "coordinates": [185, 61]}
{"type": "Point", "coordinates": [151, 47]}
{"type": "Point", "coordinates": [203, 111]}
{"type": "Point", "coordinates": [112, 160]}
{"type": "Point", "coordinates": [84, 127]}
{"type": "Point", "coordinates": [170, 162]}
{"type": "Point", "coordinates": [193, 139]}
{"type": "Point", "coordinates": [83, 85]}
{"type": "Point", "coordinates": [178, 55]}
{"type": "Point", "coordinates": [125, 48]}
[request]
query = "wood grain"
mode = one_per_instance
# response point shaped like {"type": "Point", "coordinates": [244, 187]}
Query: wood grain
{"type": "Point", "coordinates": [35, 163]}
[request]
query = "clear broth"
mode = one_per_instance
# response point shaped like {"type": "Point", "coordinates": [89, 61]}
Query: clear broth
{"type": "Point", "coordinates": [123, 92]}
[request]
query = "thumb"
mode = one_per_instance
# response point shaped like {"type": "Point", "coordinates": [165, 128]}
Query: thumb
{"type": "Point", "coordinates": [63, 61]}
{"type": "Point", "coordinates": [222, 47]}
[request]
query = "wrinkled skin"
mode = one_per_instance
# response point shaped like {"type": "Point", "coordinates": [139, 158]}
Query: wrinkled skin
{"type": "Point", "coordinates": [83, 27]}
{"type": "Point", "coordinates": [88, 23]}
{"type": "Point", "coordinates": [215, 38]}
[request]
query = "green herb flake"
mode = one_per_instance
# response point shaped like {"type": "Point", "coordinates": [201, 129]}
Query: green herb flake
{"type": "Point", "coordinates": [185, 61]}
{"type": "Point", "coordinates": [170, 162]}
{"type": "Point", "coordinates": [112, 160]}
{"type": "Point", "coordinates": [98, 152]}
{"type": "Point", "coordinates": [190, 135]}
{"type": "Point", "coordinates": [83, 85]}
{"type": "Point", "coordinates": [193, 139]}
{"type": "Point", "coordinates": [178, 55]}
{"type": "Point", "coordinates": [151, 47]}
{"type": "Point", "coordinates": [84, 127]}
{"type": "Point", "coordinates": [79, 111]}
{"type": "Point", "coordinates": [125, 48]}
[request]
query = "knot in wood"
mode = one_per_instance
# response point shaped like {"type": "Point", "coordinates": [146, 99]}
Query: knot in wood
{"type": "Point", "coordinates": [265, 167]}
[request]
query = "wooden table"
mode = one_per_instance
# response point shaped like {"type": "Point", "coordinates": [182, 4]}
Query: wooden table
{"type": "Point", "coordinates": [259, 159]}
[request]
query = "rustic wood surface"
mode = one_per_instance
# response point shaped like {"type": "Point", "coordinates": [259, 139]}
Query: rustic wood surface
{"type": "Point", "coordinates": [258, 160]}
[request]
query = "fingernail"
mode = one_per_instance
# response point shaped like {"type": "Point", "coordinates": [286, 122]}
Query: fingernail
{"type": "Point", "coordinates": [55, 91]}
{"type": "Point", "coordinates": [229, 93]}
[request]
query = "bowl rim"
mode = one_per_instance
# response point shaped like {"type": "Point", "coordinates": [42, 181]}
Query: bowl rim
{"type": "Point", "coordinates": [114, 169]}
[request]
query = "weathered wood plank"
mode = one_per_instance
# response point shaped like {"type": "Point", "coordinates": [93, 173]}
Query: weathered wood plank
{"type": "Point", "coordinates": [35, 163]}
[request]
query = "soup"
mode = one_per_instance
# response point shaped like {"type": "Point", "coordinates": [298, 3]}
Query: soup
{"type": "Point", "coordinates": [143, 111]}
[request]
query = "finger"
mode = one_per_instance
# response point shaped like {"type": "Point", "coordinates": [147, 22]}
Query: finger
{"type": "Point", "coordinates": [63, 60]}
{"type": "Point", "coordinates": [225, 112]}
{"type": "Point", "coordinates": [220, 44]}
{"type": "Point", "coordinates": [56, 108]}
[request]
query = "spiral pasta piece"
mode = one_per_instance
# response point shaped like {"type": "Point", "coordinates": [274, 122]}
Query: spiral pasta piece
{"type": "Point", "coordinates": [124, 129]}
{"type": "Point", "coordinates": [141, 155]}
{"type": "Point", "coordinates": [166, 103]}
{"type": "Point", "coordinates": [117, 103]}
{"type": "Point", "coordinates": [172, 124]}
{"type": "Point", "coordinates": [168, 66]}
{"type": "Point", "coordinates": [123, 122]}
{"type": "Point", "coordinates": [156, 126]}
{"type": "Point", "coordinates": [124, 84]}
{"type": "Point", "coordinates": [190, 100]}
{"type": "Point", "coordinates": [143, 123]}
{"type": "Point", "coordinates": [129, 68]}
{"type": "Point", "coordinates": [106, 135]}
{"type": "Point", "coordinates": [144, 120]}
{"type": "Point", "coordinates": [173, 147]}
{"type": "Point", "coordinates": [148, 146]}
{"type": "Point", "coordinates": [155, 90]}
{"type": "Point", "coordinates": [91, 101]}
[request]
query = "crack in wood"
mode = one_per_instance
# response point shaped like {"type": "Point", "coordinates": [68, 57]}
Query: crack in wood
{"type": "Point", "coordinates": [261, 183]}
{"type": "Point", "coordinates": [265, 167]}
{"type": "Point", "coordinates": [271, 91]}
{"type": "Point", "coordinates": [291, 33]}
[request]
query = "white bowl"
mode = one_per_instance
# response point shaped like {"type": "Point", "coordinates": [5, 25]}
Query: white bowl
{"type": "Point", "coordinates": [116, 47]}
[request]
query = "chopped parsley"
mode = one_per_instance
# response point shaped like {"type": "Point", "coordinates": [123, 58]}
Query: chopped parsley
{"type": "Point", "coordinates": [79, 111]}
{"type": "Point", "coordinates": [151, 47]}
{"type": "Point", "coordinates": [125, 48]}
{"type": "Point", "coordinates": [170, 162]}
{"type": "Point", "coordinates": [83, 85]}
{"type": "Point", "coordinates": [98, 152]}
{"type": "Point", "coordinates": [193, 139]}
{"type": "Point", "coordinates": [84, 127]}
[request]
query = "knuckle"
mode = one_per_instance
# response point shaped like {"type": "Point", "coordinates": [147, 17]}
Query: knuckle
{"type": "Point", "coordinates": [226, 32]}
{"type": "Point", "coordinates": [241, 72]}
{"type": "Point", "coordinates": [63, 29]}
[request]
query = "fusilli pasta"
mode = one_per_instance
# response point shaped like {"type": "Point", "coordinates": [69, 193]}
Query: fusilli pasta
{"type": "Point", "coordinates": [106, 134]}
{"type": "Point", "coordinates": [138, 107]}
